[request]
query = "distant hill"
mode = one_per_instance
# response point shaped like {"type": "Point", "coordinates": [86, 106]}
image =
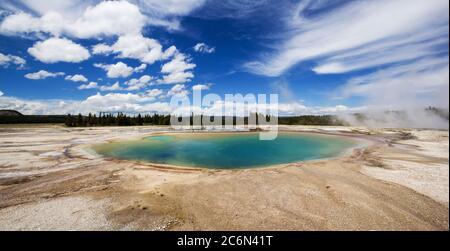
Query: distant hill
{"type": "Point", "coordinates": [15, 117]}
{"type": "Point", "coordinates": [10, 113]}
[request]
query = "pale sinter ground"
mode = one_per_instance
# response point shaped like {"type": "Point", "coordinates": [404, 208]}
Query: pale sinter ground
{"type": "Point", "coordinates": [48, 181]}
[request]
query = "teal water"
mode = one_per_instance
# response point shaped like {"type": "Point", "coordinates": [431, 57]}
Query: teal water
{"type": "Point", "coordinates": [226, 151]}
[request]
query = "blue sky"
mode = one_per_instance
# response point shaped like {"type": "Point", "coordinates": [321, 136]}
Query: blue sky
{"type": "Point", "coordinates": [320, 56]}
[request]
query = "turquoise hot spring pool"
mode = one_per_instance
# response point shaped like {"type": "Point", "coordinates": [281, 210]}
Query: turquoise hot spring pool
{"type": "Point", "coordinates": [227, 150]}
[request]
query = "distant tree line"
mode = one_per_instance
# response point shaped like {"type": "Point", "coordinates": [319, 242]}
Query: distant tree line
{"type": "Point", "coordinates": [33, 119]}
{"type": "Point", "coordinates": [120, 119]}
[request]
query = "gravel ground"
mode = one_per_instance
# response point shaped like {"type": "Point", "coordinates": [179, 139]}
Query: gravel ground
{"type": "Point", "coordinates": [66, 213]}
{"type": "Point", "coordinates": [49, 181]}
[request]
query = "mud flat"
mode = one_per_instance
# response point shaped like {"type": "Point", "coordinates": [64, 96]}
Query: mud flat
{"type": "Point", "coordinates": [51, 180]}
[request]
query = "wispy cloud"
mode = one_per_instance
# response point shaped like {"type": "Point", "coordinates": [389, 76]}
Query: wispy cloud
{"type": "Point", "coordinates": [357, 35]}
{"type": "Point", "coordinates": [167, 13]}
{"type": "Point", "coordinates": [418, 84]}
{"type": "Point", "coordinates": [238, 9]}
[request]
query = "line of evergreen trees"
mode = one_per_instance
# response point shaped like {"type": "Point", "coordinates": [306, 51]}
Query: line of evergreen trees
{"type": "Point", "coordinates": [32, 119]}
{"type": "Point", "coordinates": [120, 119]}
{"type": "Point", "coordinates": [108, 119]}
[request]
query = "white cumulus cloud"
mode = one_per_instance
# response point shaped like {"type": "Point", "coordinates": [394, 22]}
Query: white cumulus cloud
{"type": "Point", "coordinates": [91, 85]}
{"type": "Point", "coordinates": [120, 69]}
{"type": "Point", "coordinates": [138, 83]}
{"type": "Point", "coordinates": [42, 74]}
{"type": "Point", "coordinates": [67, 22]}
{"type": "Point", "coordinates": [55, 50]}
{"type": "Point", "coordinates": [178, 90]}
{"type": "Point", "coordinates": [204, 48]}
{"type": "Point", "coordinates": [140, 68]}
{"type": "Point", "coordinates": [136, 46]}
{"type": "Point", "coordinates": [155, 93]}
{"type": "Point", "coordinates": [107, 18]}
{"type": "Point", "coordinates": [76, 78]}
{"type": "Point", "coordinates": [94, 85]}
{"type": "Point", "coordinates": [115, 87]}
{"type": "Point", "coordinates": [201, 87]}
{"type": "Point", "coordinates": [6, 60]}
{"type": "Point", "coordinates": [178, 70]}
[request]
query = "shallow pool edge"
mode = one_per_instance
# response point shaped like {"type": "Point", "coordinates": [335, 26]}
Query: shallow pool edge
{"type": "Point", "coordinates": [361, 141]}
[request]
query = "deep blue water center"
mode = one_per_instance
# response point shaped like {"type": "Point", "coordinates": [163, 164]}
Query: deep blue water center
{"type": "Point", "coordinates": [226, 150]}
